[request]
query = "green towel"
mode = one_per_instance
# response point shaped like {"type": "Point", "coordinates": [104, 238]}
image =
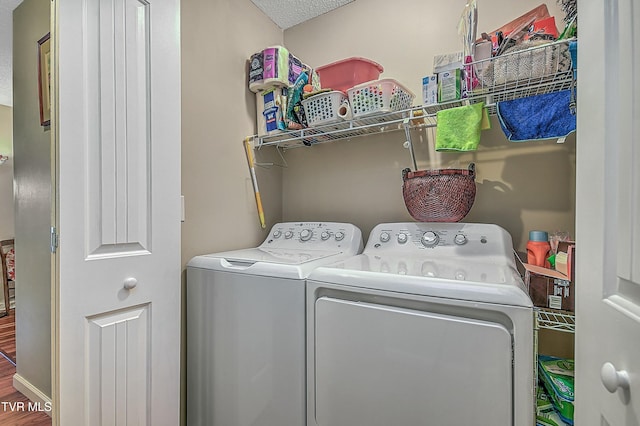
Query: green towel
{"type": "Point", "coordinates": [458, 129]}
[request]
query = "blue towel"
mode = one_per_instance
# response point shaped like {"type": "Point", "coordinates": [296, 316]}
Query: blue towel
{"type": "Point", "coordinates": [547, 116]}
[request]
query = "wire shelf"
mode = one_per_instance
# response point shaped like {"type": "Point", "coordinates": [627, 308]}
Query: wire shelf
{"type": "Point", "coordinates": [552, 319]}
{"type": "Point", "coordinates": [380, 123]}
{"type": "Point", "coordinates": [535, 71]}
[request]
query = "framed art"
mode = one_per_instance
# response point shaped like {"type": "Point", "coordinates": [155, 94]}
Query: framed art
{"type": "Point", "coordinates": [44, 79]}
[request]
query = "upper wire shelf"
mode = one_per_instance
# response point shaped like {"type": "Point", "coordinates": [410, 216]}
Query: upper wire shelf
{"type": "Point", "coordinates": [537, 70]}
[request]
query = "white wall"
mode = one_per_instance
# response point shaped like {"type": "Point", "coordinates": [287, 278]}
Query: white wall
{"type": "Point", "coordinates": [520, 186]}
{"type": "Point", "coordinates": [218, 112]}
{"type": "Point", "coordinates": [6, 173]}
{"type": "Point", "coordinates": [32, 170]}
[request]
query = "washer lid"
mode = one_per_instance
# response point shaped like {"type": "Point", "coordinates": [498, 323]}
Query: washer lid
{"type": "Point", "coordinates": [286, 263]}
{"type": "Point", "coordinates": [275, 255]}
{"type": "Point", "coordinates": [452, 278]}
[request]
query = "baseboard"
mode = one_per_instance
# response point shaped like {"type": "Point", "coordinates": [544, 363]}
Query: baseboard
{"type": "Point", "coordinates": [33, 393]}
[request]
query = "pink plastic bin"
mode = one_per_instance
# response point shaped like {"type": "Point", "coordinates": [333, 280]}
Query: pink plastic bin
{"type": "Point", "coordinates": [343, 75]}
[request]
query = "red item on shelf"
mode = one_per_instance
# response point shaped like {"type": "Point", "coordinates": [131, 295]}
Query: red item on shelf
{"type": "Point", "coordinates": [347, 73]}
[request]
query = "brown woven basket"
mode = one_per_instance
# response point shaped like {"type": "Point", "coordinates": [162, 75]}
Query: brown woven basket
{"type": "Point", "coordinates": [444, 195]}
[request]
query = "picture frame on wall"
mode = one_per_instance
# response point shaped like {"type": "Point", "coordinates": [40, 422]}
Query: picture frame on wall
{"type": "Point", "coordinates": [44, 79]}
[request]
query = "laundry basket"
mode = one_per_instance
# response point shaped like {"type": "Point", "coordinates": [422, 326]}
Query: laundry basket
{"type": "Point", "coordinates": [323, 108]}
{"type": "Point", "coordinates": [444, 195]}
{"type": "Point", "coordinates": [379, 96]}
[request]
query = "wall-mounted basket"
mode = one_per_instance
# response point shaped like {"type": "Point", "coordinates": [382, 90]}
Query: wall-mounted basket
{"type": "Point", "coordinates": [444, 195]}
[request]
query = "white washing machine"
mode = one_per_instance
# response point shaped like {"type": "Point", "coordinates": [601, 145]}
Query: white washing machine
{"type": "Point", "coordinates": [431, 325]}
{"type": "Point", "coordinates": [246, 325]}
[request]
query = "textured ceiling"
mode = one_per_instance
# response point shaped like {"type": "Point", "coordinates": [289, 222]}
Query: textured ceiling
{"type": "Point", "coordinates": [287, 13]}
{"type": "Point", "coordinates": [6, 42]}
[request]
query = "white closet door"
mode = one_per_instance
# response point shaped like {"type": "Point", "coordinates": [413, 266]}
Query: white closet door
{"type": "Point", "coordinates": [117, 123]}
{"type": "Point", "coordinates": [608, 212]}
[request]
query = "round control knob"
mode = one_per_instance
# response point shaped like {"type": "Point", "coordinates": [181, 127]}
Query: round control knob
{"type": "Point", "coordinates": [288, 235]}
{"type": "Point", "coordinates": [305, 235]}
{"type": "Point", "coordinates": [384, 237]}
{"type": "Point", "coordinates": [430, 239]}
{"type": "Point", "coordinates": [402, 238]}
{"type": "Point", "coordinates": [460, 239]}
{"type": "Point", "coordinates": [339, 236]}
{"type": "Point", "coordinates": [277, 234]}
{"type": "Point", "coordinates": [325, 236]}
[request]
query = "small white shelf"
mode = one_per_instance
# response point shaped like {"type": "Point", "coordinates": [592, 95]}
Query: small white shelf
{"type": "Point", "coordinates": [552, 319]}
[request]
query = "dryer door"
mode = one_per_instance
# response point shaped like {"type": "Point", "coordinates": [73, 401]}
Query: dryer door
{"type": "Point", "coordinates": [383, 365]}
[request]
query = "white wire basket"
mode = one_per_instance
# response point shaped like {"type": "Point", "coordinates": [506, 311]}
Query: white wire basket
{"type": "Point", "coordinates": [525, 65]}
{"type": "Point", "coordinates": [379, 96]}
{"type": "Point", "coordinates": [323, 108]}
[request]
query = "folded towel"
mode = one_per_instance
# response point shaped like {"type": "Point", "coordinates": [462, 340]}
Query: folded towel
{"type": "Point", "coordinates": [458, 129]}
{"type": "Point", "coordinates": [547, 116]}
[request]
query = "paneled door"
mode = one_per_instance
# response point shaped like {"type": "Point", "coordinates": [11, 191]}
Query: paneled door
{"type": "Point", "coordinates": [608, 215]}
{"type": "Point", "coordinates": [117, 128]}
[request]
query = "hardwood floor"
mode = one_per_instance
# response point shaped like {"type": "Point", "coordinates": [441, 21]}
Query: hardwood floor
{"type": "Point", "coordinates": [8, 336]}
{"type": "Point", "coordinates": [15, 408]}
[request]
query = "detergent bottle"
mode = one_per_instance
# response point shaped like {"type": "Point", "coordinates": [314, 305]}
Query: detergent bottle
{"type": "Point", "coordinates": [538, 248]}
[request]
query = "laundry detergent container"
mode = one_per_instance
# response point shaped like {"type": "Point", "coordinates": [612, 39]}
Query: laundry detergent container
{"type": "Point", "coordinates": [346, 73]}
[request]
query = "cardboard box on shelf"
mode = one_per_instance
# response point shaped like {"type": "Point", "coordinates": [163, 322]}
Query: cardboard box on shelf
{"type": "Point", "coordinates": [450, 85]}
{"type": "Point", "coordinates": [271, 110]}
{"type": "Point", "coordinates": [552, 288]}
{"type": "Point", "coordinates": [549, 288]}
{"type": "Point", "coordinates": [565, 258]}
{"type": "Point", "coordinates": [430, 90]}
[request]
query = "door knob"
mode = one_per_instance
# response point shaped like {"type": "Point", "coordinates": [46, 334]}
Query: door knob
{"type": "Point", "coordinates": [130, 283]}
{"type": "Point", "coordinates": [613, 379]}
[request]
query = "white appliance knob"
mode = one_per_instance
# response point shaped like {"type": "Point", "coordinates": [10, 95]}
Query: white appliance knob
{"type": "Point", "coordinates": [460, 239]}
{"type": "Point", "coordinates": [305, 235]}
{"type": "Point", "coordinates": [288, 235]}
{"type": "Point", "coordinates": [277, 234]}
{"type": "Point", "coordinates": [384, 237]}
{"type": "Point", "coordinates": [430, 239]}
{"type": "Point", "coordinates": [325, 235]}
{"type": "Point", "coordinates": [339, 236]}
{"type": "Point", "coordinates": [613, 379]}
{"type": "Point", "coordinates": [402, 238]}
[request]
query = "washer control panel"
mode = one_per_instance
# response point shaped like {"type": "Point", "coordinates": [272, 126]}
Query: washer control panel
{"type": "Point", "coordinates": [441, 239]}
{"type": "Point", "coordinates": [313, 235]}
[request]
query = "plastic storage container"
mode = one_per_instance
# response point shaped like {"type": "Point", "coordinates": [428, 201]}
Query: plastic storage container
{"type": "Point", "coordinates": [379, 96]}
{"type": "Point", "coordinates": [323, 108]}
{"type": "Point", "coordinates": [343, 75]}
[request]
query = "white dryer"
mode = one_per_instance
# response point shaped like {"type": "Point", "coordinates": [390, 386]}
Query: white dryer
{"type": "Point", "coordinates": [246, 325]}
{"type": "Point", "coordinates": [431, 325]}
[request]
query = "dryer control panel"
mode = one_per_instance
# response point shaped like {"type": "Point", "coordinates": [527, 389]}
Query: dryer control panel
{"type": "Point", "coordinates": [474, 240]}
{"type": "Point", "coordinates": [314, 236]}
